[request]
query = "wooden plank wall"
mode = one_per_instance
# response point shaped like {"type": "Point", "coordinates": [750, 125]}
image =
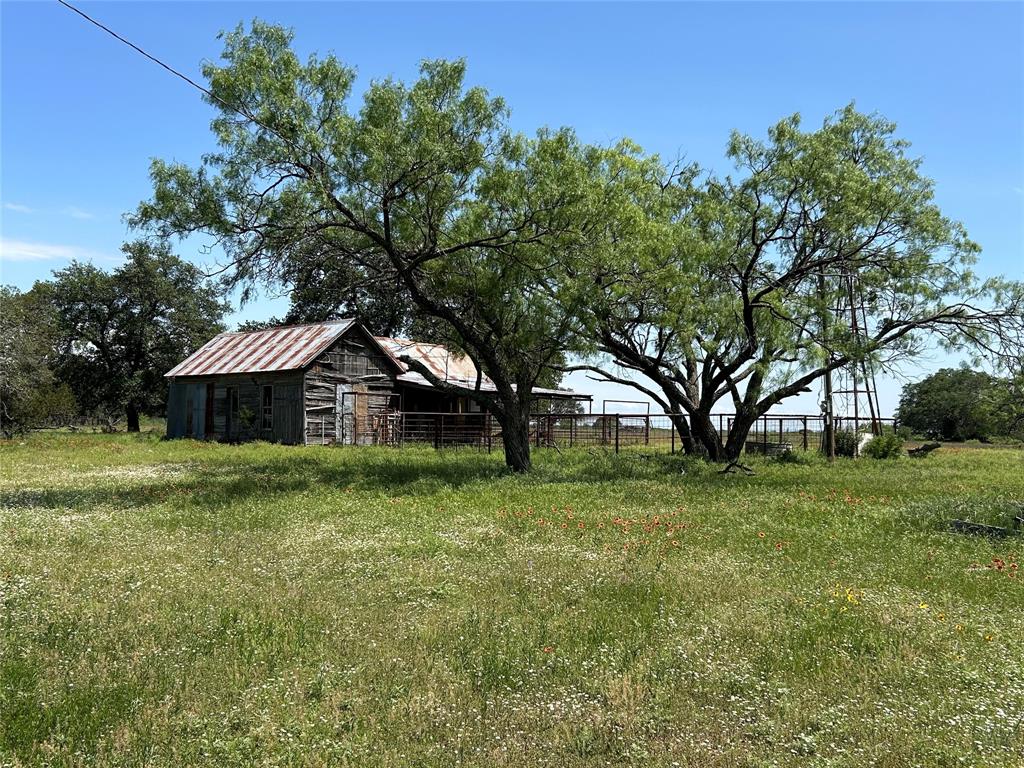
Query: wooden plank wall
{"type": "Point", "coordinates": [356, 367]}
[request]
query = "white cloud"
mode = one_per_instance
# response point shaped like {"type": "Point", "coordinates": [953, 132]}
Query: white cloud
{"type": "Point", "coordinates": [77, 213]}
{"type": "Point", "coordinates": [22, 250]}
{"type": "Point", "coordinates": [18, 207]}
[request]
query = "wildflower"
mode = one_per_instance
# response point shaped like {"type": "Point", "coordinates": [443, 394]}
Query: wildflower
{"type": "Point", "coordinates": [548, 649]}
{"type": "Point", "coordinates": [988, 638]}
{"type": "Point", "coordinates": [778, 545]}
{"type": "Point", "coordinates": [923, 606]}
{"type": "Point", "coordinates": [675, 542]}
{"type": "Point", "coordinates": [565, 525]}
{"type": "Point", "coordinates": [760, 534]}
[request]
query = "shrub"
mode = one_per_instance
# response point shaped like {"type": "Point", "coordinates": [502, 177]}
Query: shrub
{"type": "Point", "coordinates": [846, 442]}
{"type": "Point", "coordinates": [886, 446]}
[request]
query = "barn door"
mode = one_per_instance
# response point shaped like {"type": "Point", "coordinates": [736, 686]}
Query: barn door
{"type": "Point", "coordinates": [287, 415]}
{"type": "Point", "coordinates": [208, 415]}
{"type": "Point", "coordinates": [344, 414]}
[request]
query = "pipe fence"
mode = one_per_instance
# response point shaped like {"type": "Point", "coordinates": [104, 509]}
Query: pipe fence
{"type": "Point", "coordinates": [614, 431]}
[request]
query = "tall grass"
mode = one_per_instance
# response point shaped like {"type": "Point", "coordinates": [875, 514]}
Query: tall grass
{"type": "Point", "coordinates": [182, 603]}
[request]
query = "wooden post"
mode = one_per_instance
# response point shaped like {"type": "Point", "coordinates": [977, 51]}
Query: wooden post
{"type": "Point", "coordinates": [572, 429]}
{"type": "Point", "coordinates": [616, 433]}
{"type": "Point", "coordinates": [647, 430]}
{"type": "Point", "coordinates": [780, 432]}
{"type": "Point", "coordinates": [673, 433]}
{"type": "Point", "coordinates": [489, 430]}
{"type": "Point", "coordinates": [764, 434]}
{"type": "Point", "coordinates": [805, 433]}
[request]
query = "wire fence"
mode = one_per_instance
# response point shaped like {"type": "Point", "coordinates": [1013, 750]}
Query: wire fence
{"type": "Point", "coordinates": [614, 431]}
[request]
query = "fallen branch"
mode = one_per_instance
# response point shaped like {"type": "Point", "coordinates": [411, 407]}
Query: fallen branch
{"type": "Point", "coordinates": [734, 466]}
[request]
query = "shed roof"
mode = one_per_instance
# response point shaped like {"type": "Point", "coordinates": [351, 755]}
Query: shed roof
{"type": "Point", "coordinates": [275, 349]}
{"type": "Point", "coordinates": [451, 367]}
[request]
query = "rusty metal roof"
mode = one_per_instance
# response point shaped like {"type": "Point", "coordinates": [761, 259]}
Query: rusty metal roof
{"type": "Point", "coordinates": [293, 347]}
{"type": "Point", "coordinates": [451, 367]}
{"type": "Point", "coordinates": [441, 361]}
{"type": "Point", "coordinates": [286, 348]}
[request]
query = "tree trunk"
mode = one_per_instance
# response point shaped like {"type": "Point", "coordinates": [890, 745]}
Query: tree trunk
{"type": "Point", "coordinates": [515, 434]}
{"type": "Point", "coordinates": [682, 428]}
{"type": "Point", "coordinates": [706, 434]}
{"type": "Point", "coordinates": [133, 418]}
{"type": "Point", "coordinates": [742, 422]}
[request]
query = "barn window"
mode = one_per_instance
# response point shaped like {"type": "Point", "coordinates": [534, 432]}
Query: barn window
{"type": "Point", "coordinates": [267, 422]}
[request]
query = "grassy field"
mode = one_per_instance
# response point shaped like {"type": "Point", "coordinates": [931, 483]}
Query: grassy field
{"type": "Point", "coordinates": [179, 603]}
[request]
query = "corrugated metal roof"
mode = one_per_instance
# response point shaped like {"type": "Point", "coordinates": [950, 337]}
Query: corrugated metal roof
{"type": "Point", "coordinates": [293, 347]}
{"type": "Point", "coordinates": [441, 361]}
{"type": "Point", "coordinates": [449, 367]}
{"type": "Point", "coordinates": [276, 349]}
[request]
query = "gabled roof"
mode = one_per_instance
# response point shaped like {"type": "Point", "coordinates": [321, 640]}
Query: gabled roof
{"type": "Point", "coordinates": [287, 348]}
{"type": "Point", "coordinates": [293, 347]}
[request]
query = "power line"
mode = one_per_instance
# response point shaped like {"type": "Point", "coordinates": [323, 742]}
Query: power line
{"type": "Point", "coordinates": [149, 56]}
{"type": "Point", "coordinates": [184, 77]}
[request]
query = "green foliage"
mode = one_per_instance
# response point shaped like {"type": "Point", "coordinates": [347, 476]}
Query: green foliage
{"type": "Point", "coordinates": [424, 196]}
{"type": "Point", "coordinates": [846, 441]}
{"type": "Point", "coordinates": [118, 332]}
{"type": "Point", "coordinates": [713, 287]}
{"type": "Point", "coordinates": [956, 404]}
{"type": "Point", "coordinates": [26, 381]}
{"type": "Point", "coordinates": [175, 603]}
{"type": "Point", "coordinates": [885, 446]}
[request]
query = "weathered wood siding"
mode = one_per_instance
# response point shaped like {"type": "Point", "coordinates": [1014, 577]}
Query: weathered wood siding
{"type": "Point", "coordinates": [245, 422]}
{"type": "Point", "coordinates": [186, 409]}
{"type": "Point", "coordinates": [345, 388]}
{"type": "Point", "coordinates": [342, 397]}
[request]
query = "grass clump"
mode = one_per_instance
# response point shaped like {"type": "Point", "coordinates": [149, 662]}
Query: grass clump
{"type": "Point", "coordinates": [182, 603]}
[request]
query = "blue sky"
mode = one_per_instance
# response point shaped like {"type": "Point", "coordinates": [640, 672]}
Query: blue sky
{"type": "Point", "coordinates": [82, 115]}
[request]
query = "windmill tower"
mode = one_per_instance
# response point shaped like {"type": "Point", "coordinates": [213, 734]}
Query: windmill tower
{"type": "Point", "coordinates": [854, 397]}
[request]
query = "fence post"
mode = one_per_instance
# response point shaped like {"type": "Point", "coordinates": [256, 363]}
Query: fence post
{"type": "Point", "coordinates": [572, 429]}
{"type": "Point", "coordinates": [764, 434]}
{"type": "Point", "coordinates": [616, 433]}
{"type": "Point", "coordinates": [780, 432]}
{"type": "Point", "coordinates": [647, 430]}
{"type": "Point", "coordinates": [489, 431]}
{"type": "Point", "coordinates": [805, 433]}
{"type": "Point", "coordinates": [672, 432]}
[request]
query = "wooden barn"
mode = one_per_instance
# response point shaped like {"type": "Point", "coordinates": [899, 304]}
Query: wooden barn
{"type": "Point", "coordinates": [321, 384]}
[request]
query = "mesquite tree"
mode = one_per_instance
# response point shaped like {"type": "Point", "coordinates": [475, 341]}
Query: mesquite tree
{"type": "Point", "coordinates": [424, 188]}
{"type": "Point", "coordinates": [738, 288]}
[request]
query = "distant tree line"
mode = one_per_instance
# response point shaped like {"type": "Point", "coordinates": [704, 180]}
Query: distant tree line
{"type": "Point", "coordinates": [962, 404]}
{"type": "Point", "coordinates": [90, 344]}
